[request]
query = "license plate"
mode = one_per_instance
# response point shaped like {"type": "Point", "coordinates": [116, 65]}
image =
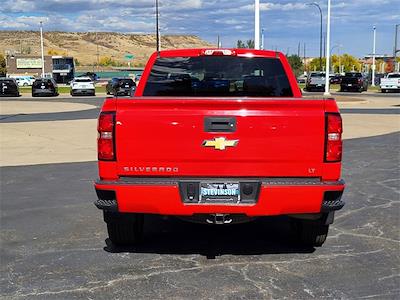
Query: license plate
{"type": "Point", "coordinates": [349, 84]}
{"type": "Point", "coordinates": [319, 84]}
{"type": "Point", "coordinates": [42, 87]}
{"type": "Point", "coordinates": [127, 85]}
{"type": "Point", "coordinates": [220, 192]}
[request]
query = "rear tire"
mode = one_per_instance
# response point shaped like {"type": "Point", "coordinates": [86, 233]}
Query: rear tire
{"type": "Point", "coordinates": [311, 233]}
{"type": "Point", "coordinates": [124, 229]}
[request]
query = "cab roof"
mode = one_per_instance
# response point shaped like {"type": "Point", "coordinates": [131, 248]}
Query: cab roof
{"type": "Point", "coordinates": [242, 52]}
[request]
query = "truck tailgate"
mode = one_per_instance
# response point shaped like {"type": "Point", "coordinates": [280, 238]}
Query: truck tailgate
{"type": "Point", "coordinates": [273, 137]}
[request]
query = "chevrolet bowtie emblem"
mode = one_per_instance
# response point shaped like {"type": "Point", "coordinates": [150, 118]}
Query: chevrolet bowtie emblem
{"type": "Point", "coordinates": [220, 143]}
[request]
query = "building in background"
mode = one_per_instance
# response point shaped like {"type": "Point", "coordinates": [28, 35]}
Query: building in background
{"type": "Point", "coordinates": [61, 68]}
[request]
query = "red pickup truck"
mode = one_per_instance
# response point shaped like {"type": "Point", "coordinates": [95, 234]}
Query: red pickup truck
{"type": "Point", "coordinates": [219, 136]}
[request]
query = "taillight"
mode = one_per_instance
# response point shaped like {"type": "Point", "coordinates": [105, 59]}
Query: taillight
{"type": "Point", "coordinates": [218, 52]}
{"type": "Point", "coordinates": [359, 80]}
{"type": "Point", "coordinates": [334, 129]}
{"type": "Point", "coordinates": [106, 137]}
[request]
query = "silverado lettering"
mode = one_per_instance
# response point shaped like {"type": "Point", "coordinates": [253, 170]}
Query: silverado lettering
{"type": "Point", "coordinates": [151, 169]}
{"type": "Point", "coordinates": [219, 136]}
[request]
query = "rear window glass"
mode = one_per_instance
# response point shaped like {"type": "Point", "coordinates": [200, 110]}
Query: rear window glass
{"type": "Point", "coordinates": [353, 75]}
{"type": "Point", "coordinates": [218, 76]}
{"type": "Point", "coordinates": [83, 80]}
{"type": "Point", "coordinates": [126, 82]}
{"type": "Point", "coordinates": [39, 83]}
{"type": "Point", "coordinates": [394, 76]}
{"type": "Point", "coordinates": [317, 75]}
{"type": "Point", "coordinates": [8, 81]}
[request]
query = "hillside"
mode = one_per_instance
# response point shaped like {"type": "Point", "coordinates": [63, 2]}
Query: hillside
{"type": "Point", "coordinates": [83, 46]}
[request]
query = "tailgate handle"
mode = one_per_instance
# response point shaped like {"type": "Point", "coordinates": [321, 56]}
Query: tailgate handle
{"type": "Point", "coordinates": [219, 124]}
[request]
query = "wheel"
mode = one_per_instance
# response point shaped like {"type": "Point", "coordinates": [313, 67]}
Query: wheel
{"type": "Point", "coordinates": [124, 229]}
{"type": "Point", "coordinates": [311, 233]}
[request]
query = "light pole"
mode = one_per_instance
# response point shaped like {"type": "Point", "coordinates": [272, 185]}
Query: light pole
{"type": "Point", "coordinates": [97, 54]}
{"type": "Point", "coordinates": [257, 24]}
{"type": "Point", "coordinates": [328, 39]}
{"type": "Point", "coordinates": [157, 29]}
{"type": "Point", "coordinates": [262, 39]}
{"type": "Point", "coordinates": [41, 46]}
{"type": "Point", "coordinates": [373, 58]}
{"type": "Point", "coordinates": [320, 37]}
{"type": "Point", "coordinates": [395, 41]}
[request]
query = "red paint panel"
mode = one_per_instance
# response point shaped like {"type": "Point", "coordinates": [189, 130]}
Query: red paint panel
{"type": "Point", "coordinates": [166, 200]}
{"type": "Point", "coordinates": [275, 137]}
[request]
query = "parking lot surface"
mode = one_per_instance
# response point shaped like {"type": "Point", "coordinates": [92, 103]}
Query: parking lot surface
{"type": "Point", "coordinates": [54, 246]}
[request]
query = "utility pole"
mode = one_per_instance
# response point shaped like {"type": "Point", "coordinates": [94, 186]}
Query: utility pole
{"type": "Point", "coordinates": [298, 50]}
{"type": "Point", "coordinates": [305, 62]}
{"type": "Point", "coordinates": [257, 24]}
{"type": "Point", "coordinates": [218, 42]}
{"type": "Point", "coordinates": [42, 47]}
{"type": "Point", "coordinates": [262, 39]}
{"type": "Point", "coordinates": [328, 38]}
{"type": "Point", "coordinates": [98, 62]}
{"type": "Point", "coordinates": [395, 41]}
{"type": "Point", "coordinates": [320, 34]}
{"type": "Point", "coordinates": [157, 29]}
{"type": "Point", "coordinates": [373, 58]}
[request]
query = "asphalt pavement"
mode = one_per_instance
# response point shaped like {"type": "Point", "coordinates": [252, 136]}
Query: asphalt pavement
{"type": "Point", "coordinates": [54, 243]}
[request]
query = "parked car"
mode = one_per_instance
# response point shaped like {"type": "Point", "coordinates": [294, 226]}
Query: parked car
{"type": "Point", "coordinates": [120, 86]}
{"type": "Point", "coordinates": [23, 80]}
{"type": "Point", "coordinates": [9, 87]}
{"type": "Point", "coordinates": [82, 86]}
{"type": "Point", "coordinates": [137, 78]}
{"type": "Point", "coordinates": [315, 82]}
{"type": "Point", "coordinates": [92, 76]}
{"type": "Point", "coordinates": [44, 87]}
{"type": "Point", "coordinates": [302, 78]}
{"type": "Point", "coordinates": [335, 79]}
{"type": "Point", "coordinates": [378, 78]}
{"type": "Point", "coordinates": [391, 82]}
{"type": "Point", "coordinates": [354, 81]}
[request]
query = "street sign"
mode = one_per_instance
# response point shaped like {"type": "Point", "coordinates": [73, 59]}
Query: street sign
{"type": "Point", "coordinates": [128, 56]}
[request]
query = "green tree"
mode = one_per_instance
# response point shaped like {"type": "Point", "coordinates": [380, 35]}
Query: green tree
{"type": "Point", "coordinates": [296, 64]}
{"type": "Point", "coordinates": [105, 61]}
{"type": "Point", "coordinates": [56, 52]}
{"type": "Point", "coordinates": [240, 44]}
{"type": "Point", "coordinates": [315, 64]}
{"type": "Point", "coordinates": [348, 61]}
{"type": "Point", "coordinates": [3, 69]}
{"type": "Point", "coordinates": [249, 44]}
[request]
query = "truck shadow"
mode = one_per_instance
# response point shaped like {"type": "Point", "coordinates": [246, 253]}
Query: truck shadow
{"type": "Point", "coordinates": [271, 235]}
